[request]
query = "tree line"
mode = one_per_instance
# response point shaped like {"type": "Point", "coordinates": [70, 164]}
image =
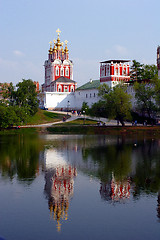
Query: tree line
{"type": "Point", "coordinates": [116, 103]}
{"type": "Point", "coordinates": [18, 103]}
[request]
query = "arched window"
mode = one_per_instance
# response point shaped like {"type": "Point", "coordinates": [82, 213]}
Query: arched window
{"type": "Point", "coordinates": [62, 71]}
{"type": "Point", "coordinates": [57, 71]}
{"type": "Point", "coordinates": [67, 71]}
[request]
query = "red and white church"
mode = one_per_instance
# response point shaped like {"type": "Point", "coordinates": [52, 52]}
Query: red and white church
{"type": "Point", "coordinates": [58, 69]}
{"type": "Point", "coordinates": [60, 91]}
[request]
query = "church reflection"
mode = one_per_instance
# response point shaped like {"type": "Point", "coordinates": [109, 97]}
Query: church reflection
{"type": "Point", "coordinates": [59, 185]}
{"type": "Point", "coordinates": [123, 170]}
{"type": "Point", "coordinates": [115, 190]}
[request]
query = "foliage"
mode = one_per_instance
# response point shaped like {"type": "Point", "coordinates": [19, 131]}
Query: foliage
{"type": "Point", "coordinates": [136, 72]}
{"type": "Point", "coordinates": [26, 96]}
{"type": "Point", "coordinates": [144, 94]}
{"type": "Point", "coordinates": [85, 108]}
{"type": "Point", "coordinates": [103, 89]}
{"type": "Point", "coordinates": [8, 116]}
{"type": "Point", "coordinates": [18, 104]}
{"type": "Point", "coordinates": [150, 72]}
{"type": "Point", "coordinates": [141, 71]}
{"type": "Point", "coordinates": [117, 103]}
{"type": "Point", "coordinates": [98, 109]}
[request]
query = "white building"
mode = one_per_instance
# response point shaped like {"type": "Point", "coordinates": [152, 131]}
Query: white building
{"type": "Point", "coordinates": [60, 91]}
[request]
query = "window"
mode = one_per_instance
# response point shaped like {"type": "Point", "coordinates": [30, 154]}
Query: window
{"type": "Point", "coordinates": [116, 71]}
{"type": "Point", "coordinates": [57, 71]}
{"type": "Point", "coordinates": [86, 95]}
{"type": "Point", "coordinates": [94, 95]}
{"type": "Point", "coordinates": [90, 95]}
{"type": "Point", "coordinates": [62, 72]}
{"type": "Point", "coordinates": [67, 72]}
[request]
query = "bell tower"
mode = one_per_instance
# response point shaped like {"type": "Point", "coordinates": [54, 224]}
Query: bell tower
{"type": "Point", "coordinates": [58, 68]}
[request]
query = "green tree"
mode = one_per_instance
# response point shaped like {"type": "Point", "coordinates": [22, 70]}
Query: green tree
{"type": "Point", "coordinates": [98, 109]}
{"type": "Point", "coordinates": [137, 70]}
{"type": "Point", "coordinates": [85, 108]}
{"type": "Point", "coordinates": [145, 94]}
{"type": "Point", "coordinates": [26, 96]}
{"type": "Point", "coordinates": [141, 71]}
{"type": "Point", "coordinates": [8, 116]}
{"type": "Point", "coordinates": [117, 103]}
{"type": "Point", "coordinates": [150, 72]}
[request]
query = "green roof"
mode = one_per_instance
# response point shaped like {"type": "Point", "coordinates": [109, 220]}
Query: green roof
{"type": "Point", "coordinates": [94, 84]}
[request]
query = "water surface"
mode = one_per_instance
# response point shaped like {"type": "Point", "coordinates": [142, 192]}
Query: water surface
{"type": "Point", "coordinates": [79, 187]}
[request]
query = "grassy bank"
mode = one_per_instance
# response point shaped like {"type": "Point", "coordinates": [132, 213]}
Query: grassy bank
{"type": "Point", "coordinates": [79, 121]}
{"type": "Point", "coordinates": [43, 116]}
{"type": "Point", "coordinates": [105, 130]}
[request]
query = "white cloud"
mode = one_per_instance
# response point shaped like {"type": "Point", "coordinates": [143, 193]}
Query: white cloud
{"type": "Point", "coordinates": [18, 53]}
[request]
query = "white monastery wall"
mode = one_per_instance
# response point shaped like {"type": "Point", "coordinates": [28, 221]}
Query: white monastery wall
{"type": "Point", "coordinates": [58, 100]}
{"type": "Point", "coordinates": [89, 96]}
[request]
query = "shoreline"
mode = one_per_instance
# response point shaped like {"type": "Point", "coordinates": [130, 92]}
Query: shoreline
{"type": "Point", "coordinates": [105, 130]}
{"type": "Point", "coordinates": [152, 131]}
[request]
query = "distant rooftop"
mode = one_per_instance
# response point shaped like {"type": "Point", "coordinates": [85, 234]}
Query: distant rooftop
{"type": "Point", "coordinates": [115, 61]}
{"type": "Point", "coordinates": [93, 84]}
{"type": "Point", "coordinates": [64, 80]}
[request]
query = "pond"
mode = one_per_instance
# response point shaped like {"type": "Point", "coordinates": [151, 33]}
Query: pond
{"type": "Point", "coordinates": [79, 187]}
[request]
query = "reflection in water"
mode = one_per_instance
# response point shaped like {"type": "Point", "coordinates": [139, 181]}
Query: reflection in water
{"type": "Point", "coordinates": [115, 191]}
{"type": "Point", "coordinates": [59, 179]}
{"type": "Point", "coordinates": [135, 165]}
{"type": "Point", "coordinates": [19, 156]}
{"type": "Point", "coordinates": [125, 168]}
{"type": "Point", "coordinates": [120, 189]}
{"type": "Point", "coordinates": [158, 206]}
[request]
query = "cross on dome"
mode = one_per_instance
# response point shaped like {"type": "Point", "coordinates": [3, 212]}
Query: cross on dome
{"type": "Point", "coordinates": [58, 31]}
{"type": "Point", "coordinates": [66, 42]}
{"type": "Point", "coordinates": [50, 43]}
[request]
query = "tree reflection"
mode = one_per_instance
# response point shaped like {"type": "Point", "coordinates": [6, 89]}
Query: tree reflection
{"type": "Point", "coordinates": [20, 156]}
{"type": "Point", "coordinates": [110, 158]}
{"type": "Point", "coordinates": [147, 173]}
{"type": "Point", "coordinates": [124, 166]}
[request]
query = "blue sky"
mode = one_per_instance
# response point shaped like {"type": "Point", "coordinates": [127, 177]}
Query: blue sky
{"type": "Point", "coordinates": [95, 30]}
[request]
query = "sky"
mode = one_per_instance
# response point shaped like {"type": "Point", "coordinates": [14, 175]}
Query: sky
{"type": "Point", "coordinates": [96, 31]}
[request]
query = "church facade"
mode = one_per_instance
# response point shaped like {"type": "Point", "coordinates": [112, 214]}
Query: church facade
{"type": "Point", "coordinates": [59, 86]}
{"type": "Point", "coordinates": [58, 69]}
{"type": "Point", "coordinates": [60, 91]}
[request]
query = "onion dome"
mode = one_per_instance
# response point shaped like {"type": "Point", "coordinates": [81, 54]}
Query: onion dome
{"type": "Point", "coordinates": [66, 49]}
{"type": "Point", "coordinates": [50, 50]}
{"type": "Point", "coordinates": [54, 48]}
